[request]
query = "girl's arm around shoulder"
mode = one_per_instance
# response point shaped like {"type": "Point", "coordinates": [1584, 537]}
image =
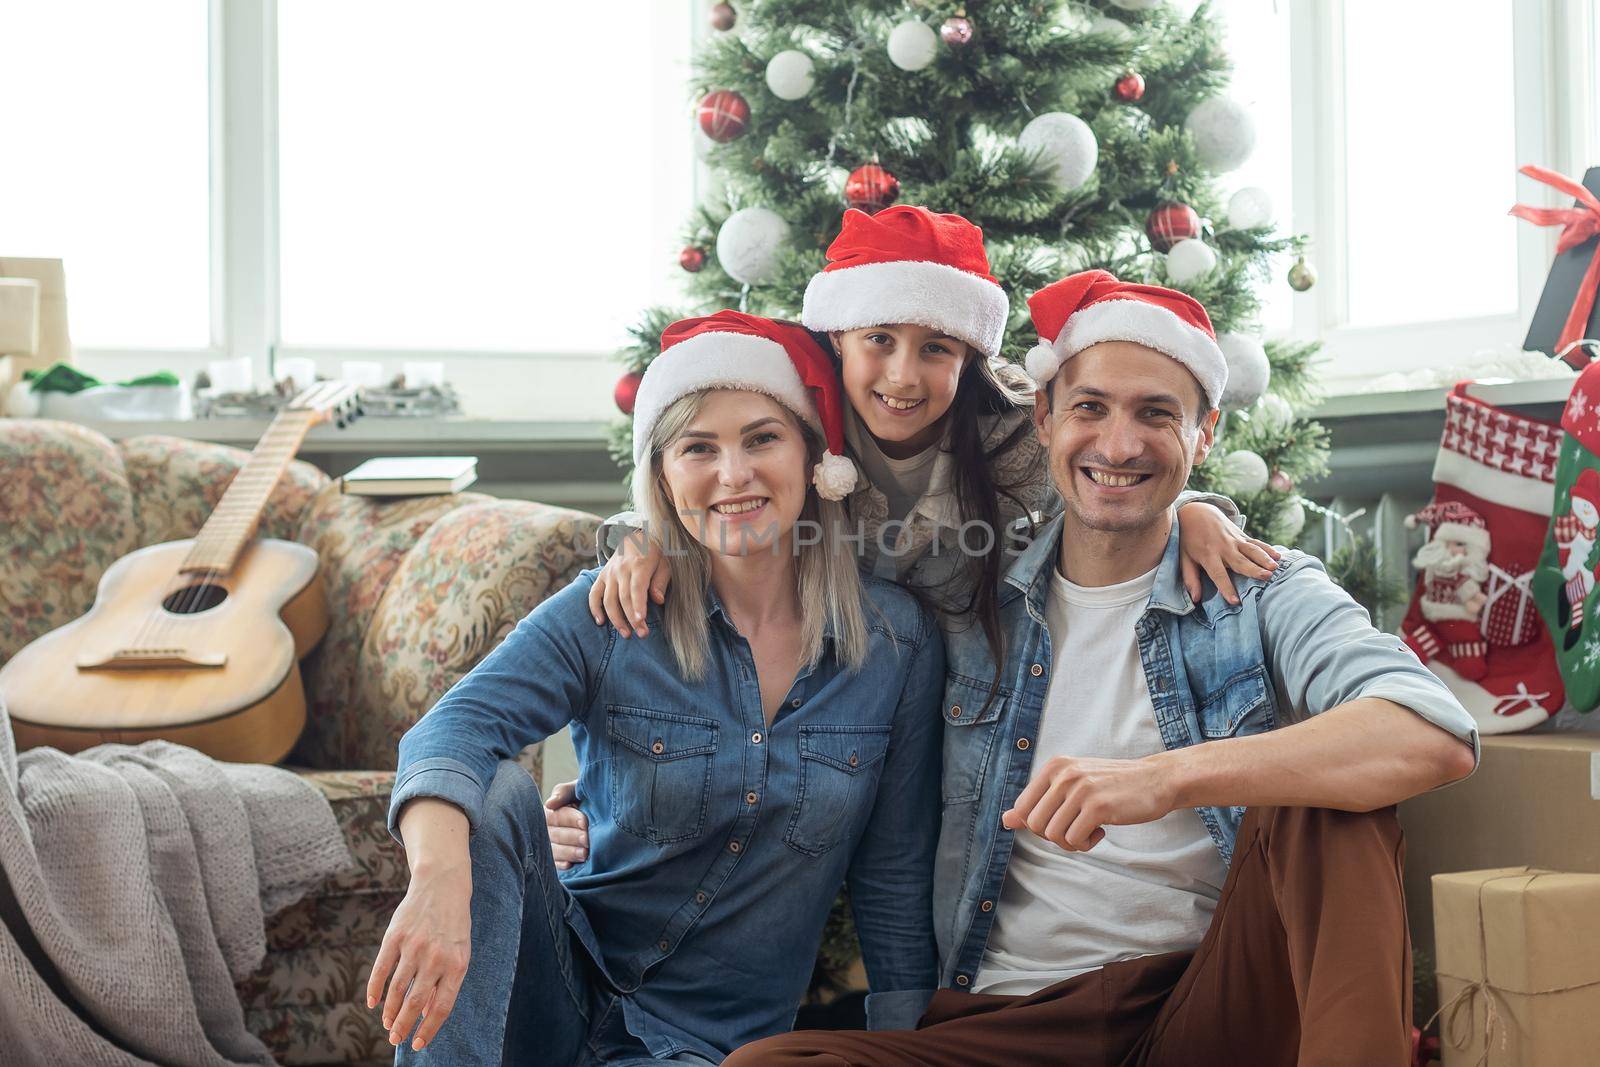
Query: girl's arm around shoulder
{"type": "Point", "coordinates": [543, 675]}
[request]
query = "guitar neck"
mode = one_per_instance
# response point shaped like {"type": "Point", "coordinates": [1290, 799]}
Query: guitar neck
{"type": "Point", "coordinates": [233, 523]}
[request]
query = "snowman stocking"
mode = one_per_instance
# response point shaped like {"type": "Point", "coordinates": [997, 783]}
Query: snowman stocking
{"type": "Point", "coordinates": [1472, 618]}
{"type": "Point", "coordinates": [1566, 576]}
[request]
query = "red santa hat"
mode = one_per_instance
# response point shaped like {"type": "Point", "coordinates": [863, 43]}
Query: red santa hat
{"type": "Point", "coordinates": [907, 264]}
{"type": "Point", "coordinates": [1093, 306]}
{"type": "Point", "coordinates": [731, 350]}
{"type": "Point", "coordinates": [1587, 487]}
{"type": "Point", "coordinates": [1453, 521]}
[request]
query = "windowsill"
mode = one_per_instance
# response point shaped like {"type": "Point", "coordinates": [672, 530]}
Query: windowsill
{"type": "Point", "coordinates": [1356, 405]}
{"type": "Point", "coordinates": [443, 434]}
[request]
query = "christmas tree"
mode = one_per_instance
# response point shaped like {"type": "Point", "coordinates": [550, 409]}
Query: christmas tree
{"type": "Point", "coordinates": [1076, 135]}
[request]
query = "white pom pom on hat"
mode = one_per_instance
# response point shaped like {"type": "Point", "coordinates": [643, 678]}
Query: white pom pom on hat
{"type": "Point", "coordinates": [1094, 306]}
{"type": "Point", "coordinates": [732, 350]}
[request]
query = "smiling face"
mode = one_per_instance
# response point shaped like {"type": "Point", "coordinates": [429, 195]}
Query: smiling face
{"type": "Point", "coordinates": [1123, 425]}
{"type": "Point", "coordinates": [901, 380]}
{"type": "Point", "coordinates": [737, 473]}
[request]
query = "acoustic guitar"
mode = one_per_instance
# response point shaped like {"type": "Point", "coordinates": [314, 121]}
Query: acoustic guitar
{"type": "Point", "coordinates": [198, 641]}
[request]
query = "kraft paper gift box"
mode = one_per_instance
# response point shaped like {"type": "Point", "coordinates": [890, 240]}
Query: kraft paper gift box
{"type": "Point", "coordinates": [1518, 967]}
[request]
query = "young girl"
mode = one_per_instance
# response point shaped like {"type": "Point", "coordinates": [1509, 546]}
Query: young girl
{"type": "Point", "coordinates": [940, 426]}
{"type": "Point", "coordinates": [776, 734]}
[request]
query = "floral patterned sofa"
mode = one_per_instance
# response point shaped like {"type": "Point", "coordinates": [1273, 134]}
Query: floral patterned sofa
{"type": "Point", "coordinates": [419, 589]}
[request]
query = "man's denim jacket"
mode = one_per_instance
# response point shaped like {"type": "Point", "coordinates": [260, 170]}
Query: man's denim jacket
{"type": "Point", "coordinates": [1294, 646]}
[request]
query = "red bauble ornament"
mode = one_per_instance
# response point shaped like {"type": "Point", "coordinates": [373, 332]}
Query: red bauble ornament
{"type": "Point", "coordinates": [724, 115]}
{"type": "Point", "coordinates": [1280, 482]}
{"type": "Point", "coordinates": [1169, 223]}
{"type": "Point", "coordinates": [627, 391]}
{"type": "Point", "coordinates": [956, 30]}
{"type": "Point", "coordinates": [870, 188]}
{"type": "Point", "coordinates": [723, 16]}
{"type": "Point", "coordinates": [692, 259]}
{"type": "Point", "coordinates": [1130, 88]}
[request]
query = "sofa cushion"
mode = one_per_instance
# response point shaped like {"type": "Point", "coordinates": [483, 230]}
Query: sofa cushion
{"type": "Point", "coordinates": [177, 483]}
{"type": "Point", "coordinates": [66, 514]}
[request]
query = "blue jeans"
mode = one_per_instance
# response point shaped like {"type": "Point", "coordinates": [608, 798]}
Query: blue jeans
{"type": "Point", "coordinates": [531, 994]}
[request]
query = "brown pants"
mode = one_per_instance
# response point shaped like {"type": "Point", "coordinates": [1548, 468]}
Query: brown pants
{"type": "Point", "coordinates": [1307, 962]}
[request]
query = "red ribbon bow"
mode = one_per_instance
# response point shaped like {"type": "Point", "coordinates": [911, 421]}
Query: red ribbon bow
{"type": "Point", "coordinates": [1580, 222]}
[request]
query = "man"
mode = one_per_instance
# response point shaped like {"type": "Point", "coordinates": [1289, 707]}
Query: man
{"type": "Point", "coordinates": [1170, 837]}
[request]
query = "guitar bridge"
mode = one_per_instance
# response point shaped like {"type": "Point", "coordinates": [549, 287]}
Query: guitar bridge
{"type": "Point", "coordinates": [136, 659]}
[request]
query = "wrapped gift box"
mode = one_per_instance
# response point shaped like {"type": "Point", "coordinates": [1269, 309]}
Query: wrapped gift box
{"type": "Point", "coordinates": [1519, 967]}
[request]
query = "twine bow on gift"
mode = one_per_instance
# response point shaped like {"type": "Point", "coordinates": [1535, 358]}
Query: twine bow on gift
{"type": "Point", "coordinates": [1457, 1031]}
{"type": "Point", "coordinates": [1580, 222]}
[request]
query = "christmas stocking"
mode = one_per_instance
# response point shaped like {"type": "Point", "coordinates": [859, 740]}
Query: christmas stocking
{"type": "Point", "coordinates": [1472, 618]}
{"type": "Point", "coordinates": [1566, 576]}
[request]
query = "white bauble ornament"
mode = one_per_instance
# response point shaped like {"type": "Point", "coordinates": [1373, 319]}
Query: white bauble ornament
{"type": "Point", "coordinates": [1223, 131]}
{"type": "Point", "coordinates": [790, 74]}
{"type": "Point", "coordinates": [748, 244]}
{"type": "Point", "coordinates": [1291, 520]}
{"type": "Point", "coordinates": [1272, 412]}
{"type": "Point", "coordinates": [1248, 370]}
{"type": "Point", "coordinates": [1116, 30]}
{"type": "Point", "coordinates": [1243, 473]}
{"type": "Point", "coordinates": [913, 45]}
{"type": "Point", "coordinates": [1136, 5]}
{"type": "Point", "coordinates": [1066, 143]}
{"type": "Point", "coordinates": [1249, 208]}
{"type": "Point", "coordinates": [1190, 259]}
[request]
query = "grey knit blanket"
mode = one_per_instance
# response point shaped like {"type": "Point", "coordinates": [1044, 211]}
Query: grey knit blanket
{"type": "Point", "coordinates": [145, 875]}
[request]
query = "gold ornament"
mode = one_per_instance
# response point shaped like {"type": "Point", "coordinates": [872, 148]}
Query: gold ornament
{"type": "Point", "coordinates": [1302, 275]}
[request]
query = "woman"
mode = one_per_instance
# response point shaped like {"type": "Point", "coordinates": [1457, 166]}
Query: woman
{"type": "Point", "coordinates": [776, 734]}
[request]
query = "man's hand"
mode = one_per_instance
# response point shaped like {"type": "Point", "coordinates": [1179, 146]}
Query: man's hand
{"type": "Point", "coordinates": [1070, 800]}
{"type": "Point", "coordinates": [567, 825]}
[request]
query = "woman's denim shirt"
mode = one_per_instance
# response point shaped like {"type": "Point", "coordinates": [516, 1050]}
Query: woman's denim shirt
{"type": "Point", "coordinates": [718, 843]}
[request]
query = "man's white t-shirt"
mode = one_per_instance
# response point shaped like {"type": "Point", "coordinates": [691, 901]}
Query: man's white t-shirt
{"type": "Point", "coordinates": [1143, 889]}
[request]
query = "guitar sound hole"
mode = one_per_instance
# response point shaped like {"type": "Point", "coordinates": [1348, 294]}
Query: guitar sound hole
{"type": "Point", "coordinates": [194, 599]}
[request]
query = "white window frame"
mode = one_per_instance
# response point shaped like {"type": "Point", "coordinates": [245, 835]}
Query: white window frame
{"type": "Point", "coordinates": [245, 211]}
{"type": "Point", "coordinates": [1554, 76]}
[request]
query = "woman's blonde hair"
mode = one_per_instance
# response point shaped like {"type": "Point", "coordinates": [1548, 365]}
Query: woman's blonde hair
{"type": "Point", "coordinates": [828, 584]}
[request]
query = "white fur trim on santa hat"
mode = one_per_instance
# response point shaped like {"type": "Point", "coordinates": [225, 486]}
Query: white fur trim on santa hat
{"type": "Point", "coordinates": [934, 295]}
{"type": "Point", "coordinates": [1127, 319]}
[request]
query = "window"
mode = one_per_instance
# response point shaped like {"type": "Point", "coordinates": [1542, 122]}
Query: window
{"type": "Point", "coordinates": [106, 163]}
{"type": "Point", "coordinates": [472, 176]}
{"type": "Point", "coordinates": [1430, 163]}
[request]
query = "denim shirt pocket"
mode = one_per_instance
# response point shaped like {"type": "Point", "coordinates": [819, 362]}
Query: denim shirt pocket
{"type": "Point", "coordinates": [1240, 706]}
{"type": "Point", "coordinates": [660, 772]}
{"type": "Point", "coordinates": [969, 730]}
{"type": "Point", "coordinates": [839, 769]}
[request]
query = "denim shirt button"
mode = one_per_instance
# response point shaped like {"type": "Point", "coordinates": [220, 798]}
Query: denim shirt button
{"type": "Point", "coordinates": [987, 905]}
{"type": "Point", "coordinates": [733, 846]}
{"type": "Point", "coordinates": [1022, 744]}
{"type": "Point", "coordinates": [658, 747]}
{"type": "Point", "coordinates": [955, 711]}
{"type": "Point", "coordinates": [1037, 670]}
{"type": "Point", "coordinates": [700, 897]}
{"type": "Point", "coordinates": [795, 703]}
{"type": "Point", "coordinates": [755, 738]}
{"type": "Point", "coordinates": [752, 797]}
{"type": "Point", "coordinates": [854, 759]}
{"type": "Point", "coordinates": [664, 945]}
{"type": "Point", "coordinates": [963, 981]}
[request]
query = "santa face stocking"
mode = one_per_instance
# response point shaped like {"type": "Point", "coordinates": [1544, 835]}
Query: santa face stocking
{"type": "Point", "coordinates": [1473, 619]}
{"type": "Point", "coordinates": [1565, 582]}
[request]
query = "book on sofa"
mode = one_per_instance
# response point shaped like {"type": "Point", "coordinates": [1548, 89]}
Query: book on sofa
{"type": "Point", "coordinates": [411, 476]}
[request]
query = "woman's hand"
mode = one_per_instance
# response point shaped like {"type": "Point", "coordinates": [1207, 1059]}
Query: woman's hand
{"type": "Point", "coordinates": [425, 950]}
{"type": "Point", "coordinates": [634, 575]}
{"type": "Point", "coordinates": [1208, 541]}
{"type": "Point", "coordinates": [568, 826]}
